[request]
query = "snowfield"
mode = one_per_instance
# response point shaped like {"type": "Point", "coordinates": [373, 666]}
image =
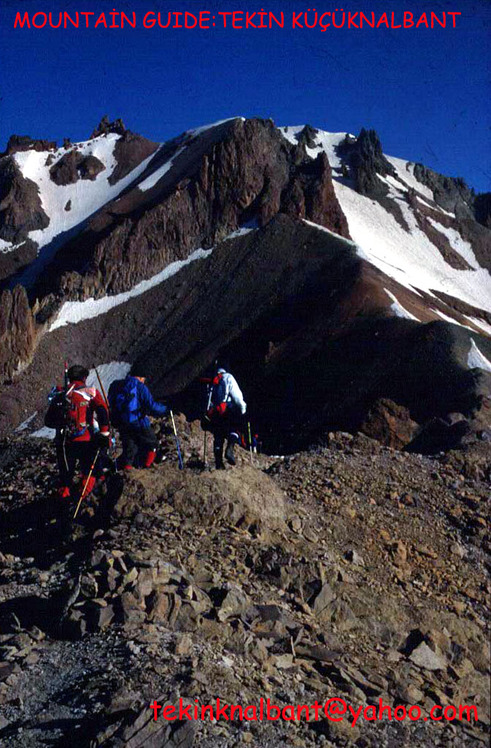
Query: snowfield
{"type": "Point", "coordinates": [86, 196]}
{"type": "Point", "coordinates": [476, 359]}
{"type": "Point", "coordinates": [409, 257]}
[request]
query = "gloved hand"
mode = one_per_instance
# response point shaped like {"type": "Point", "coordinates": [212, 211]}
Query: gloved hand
{"type": "Point", "coordinates": [102, 440]}
{"type": "Point", "coordinates": [220, 409]}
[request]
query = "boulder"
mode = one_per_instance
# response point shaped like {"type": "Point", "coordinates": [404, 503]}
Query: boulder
{"type": "Point", "coordinates": [389, 423]}
{"type": "Point", "coordinates": [425, 658]}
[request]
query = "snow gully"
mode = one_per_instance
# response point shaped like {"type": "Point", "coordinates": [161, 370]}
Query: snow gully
{"type": "Point", "coordinates": [339, 19]}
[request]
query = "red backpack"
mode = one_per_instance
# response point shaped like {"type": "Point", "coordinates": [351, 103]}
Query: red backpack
{"type": "Point", "coordinates": [78, 401]}
{"type": "Point", "coordinates": [69, 411]}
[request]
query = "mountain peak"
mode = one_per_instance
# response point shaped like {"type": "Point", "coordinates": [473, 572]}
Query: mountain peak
{"type": "Point", "coordinates": [105, 127]}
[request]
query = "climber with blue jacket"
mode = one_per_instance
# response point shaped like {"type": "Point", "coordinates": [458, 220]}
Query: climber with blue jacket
{"type": "Point", "coordinates": [131, 403]}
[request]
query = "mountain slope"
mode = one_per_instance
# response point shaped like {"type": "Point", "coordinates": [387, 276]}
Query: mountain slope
{"type": "Point", "coordinates": [342, 268]}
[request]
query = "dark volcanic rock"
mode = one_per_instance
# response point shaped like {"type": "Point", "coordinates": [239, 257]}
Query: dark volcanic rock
{"type": "Point", "coordinates": [482, 209]}
{"type": "Point", "coordinates": [18, 143]}
{"type": "Point", "coordinates": [89, 167]}
{"type": "Point", "coordinates": [74, 166]}
{"type": "Point", "coordinates": [234, 173]}
{"type": "Point", "coordinates": [65, 170]}
{"type": "Point", "coordinates": [438, 436]}
{"type": "Point", "coordinates": [105, 126]}
{"type": "Point", "coordinates": [307, 136]}
{"type": "Point", "coordinates": [17, 332]}
{"type": "Point", "coordinates": [390, 424]}
{"type": "Point", "coordinates": [20, 205]}
{"type": "Point", "coordinates": [450, 193]}
{"type": "Point", "coordinates": [367, 160]}
{"type": "Point", "coordinates": [13, 261]}
{"type": "Point", "coordinates": [130, 150]}
{"type": "Point", "coordinates": [302, 321]}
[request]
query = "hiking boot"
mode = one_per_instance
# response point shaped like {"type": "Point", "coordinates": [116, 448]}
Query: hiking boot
{"type": "Point", "coordinates": [229, 454]}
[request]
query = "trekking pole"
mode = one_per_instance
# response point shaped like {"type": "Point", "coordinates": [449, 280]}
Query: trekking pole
{"type": "Point", "coordinates": [205, 441]}
{"type": "Point", "coordinates": [250, 439]}
{"type": "Point", "coordinates": [179, 456]}
{"type": "Point", "coordinates": [101, 386]}
{"type": "Point", "coordinates": [82, 495]}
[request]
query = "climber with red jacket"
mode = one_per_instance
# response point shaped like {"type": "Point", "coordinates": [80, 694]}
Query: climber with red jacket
{"type": "Point", "coordinates": [72, 412]}
{"type": "Point", "coordinates": [131, 403]}
{"type": "Point", "coordinates": [226, 408]}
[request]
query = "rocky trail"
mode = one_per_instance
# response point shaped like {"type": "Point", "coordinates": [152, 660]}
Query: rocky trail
{"type": "Point", "coordinates": [350, 570]}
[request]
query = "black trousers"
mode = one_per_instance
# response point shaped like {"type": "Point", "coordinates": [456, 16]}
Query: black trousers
{"type": "Point", "coordinates": [137, 443]}
{"type": "Point", "coordinates": [68, 454]}
{"type": "Point", "coordinates": [226, 427]}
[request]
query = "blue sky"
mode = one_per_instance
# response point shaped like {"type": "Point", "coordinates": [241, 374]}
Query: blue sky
{"type": "Point", "coordinates": [425, 91]}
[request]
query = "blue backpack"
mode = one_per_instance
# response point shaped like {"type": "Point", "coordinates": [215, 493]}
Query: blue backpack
{"type": "Point", "coordinates": [124, 402]}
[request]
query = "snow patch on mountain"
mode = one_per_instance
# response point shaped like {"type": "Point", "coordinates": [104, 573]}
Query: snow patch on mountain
{"type": "Point", "coordinates": [84, 197]}
{"type": "Point", "coordinates": [405, 171]}
{"type": "Point", "coordinates": [73, 312]}
{"type": "Point", "coordinates": [44, 433]}
{"type": "Point", "coordinates": [77, 311]}
{"type": "Point", "coordinates": [476, 359]}
{"type": "Point", "coordinates": [152, 180]}
{"type": "Point", "coordinates": [108, 373]}
{"type": "Point", "coordinates": [25, 424]}
{"type": "Point", "coordinates": [485, 326]}
{"type": "Point", "coordinates": [457, 243]}
{"type": "Point", "coordinates": [434, 206]}
{"type": "Point", "coordinates": [199, 130]}
{"type": "Point", "coordinates": [452, 320]}
{"type": "Point", "coordinates": [325, 141]}
{"type": "Point", "coordinates": [410, 258]}
{"type": "Point", "coordinates": [343, 239]}
{"type": "Point", "coordinates": [398, 309]}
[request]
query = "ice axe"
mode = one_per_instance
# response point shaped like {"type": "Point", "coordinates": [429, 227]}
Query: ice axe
{"type": "Point", "coordinates": [101, 386]}
{"type": "Point", "coordinates": [82, 495]}
{"type": "Point", "coordinates": [205, 438]}
{"type": "Point", "coordinates": [179, 456]}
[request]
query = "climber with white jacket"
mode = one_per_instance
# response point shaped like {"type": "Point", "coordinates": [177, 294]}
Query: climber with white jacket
{"type": "Point", "coordinates": [225, 410]}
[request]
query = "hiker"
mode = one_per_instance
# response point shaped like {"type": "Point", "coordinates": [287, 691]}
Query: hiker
{"type": "Point", "coordinates": [71, 412]}
{"type": "Point", "coordinates": [131, 403]}
{"type": "Point", "coordinates": [226, 406]}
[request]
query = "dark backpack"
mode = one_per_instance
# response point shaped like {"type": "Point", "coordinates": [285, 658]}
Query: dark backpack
{"type": "Point", "coordinates": [68, 412]}
{"type": "Point", "coordinates": [124, 402]}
